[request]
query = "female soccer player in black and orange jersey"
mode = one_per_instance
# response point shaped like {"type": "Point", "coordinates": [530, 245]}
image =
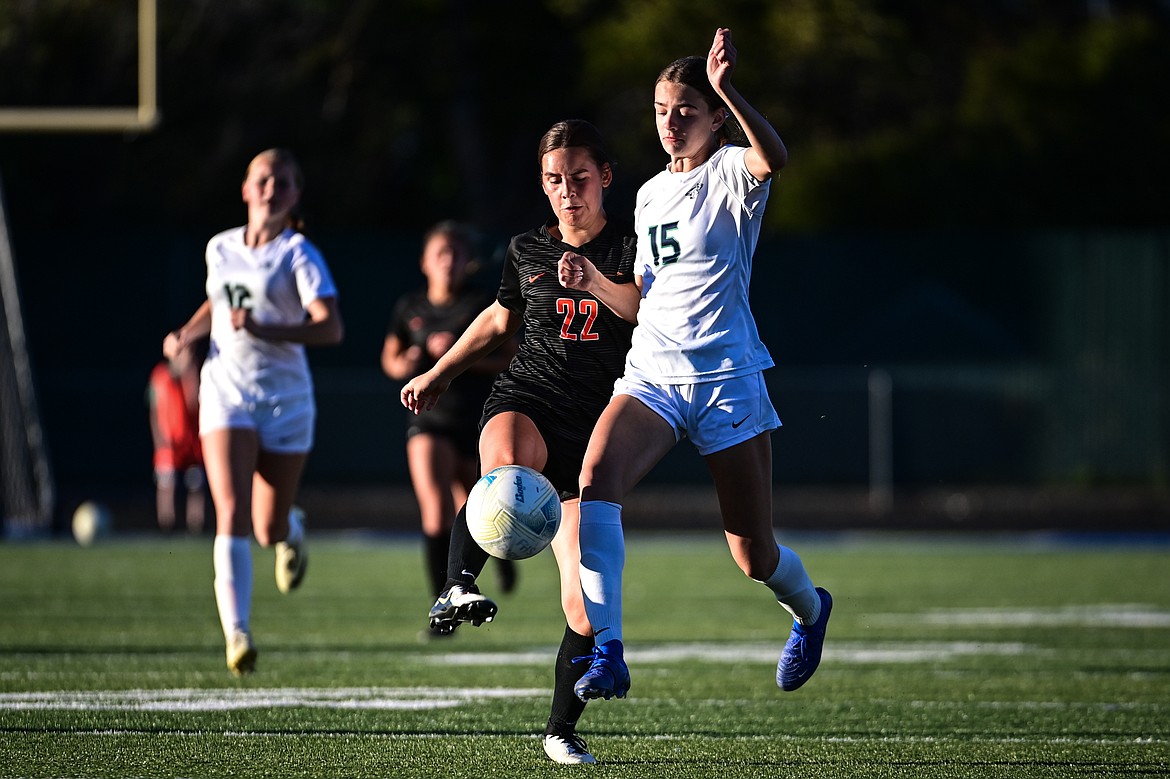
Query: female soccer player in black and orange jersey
{"type": "Point", "coordinates": [543, 407]}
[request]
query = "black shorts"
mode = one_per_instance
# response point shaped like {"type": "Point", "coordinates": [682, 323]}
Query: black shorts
{"type": "Point", "coordinates": [565, 453]}
{"type": "Point", "coordinates": [464, 436]}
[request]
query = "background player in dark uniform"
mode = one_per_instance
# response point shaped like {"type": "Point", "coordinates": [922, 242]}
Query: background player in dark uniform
{"type": "Point", "coordinates": [441, 445]}
{"type": "Point", "coordinates": [543, 407]}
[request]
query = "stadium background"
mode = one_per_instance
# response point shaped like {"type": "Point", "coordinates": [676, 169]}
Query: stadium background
{"type": "Point", "coordinates": [963, 280]}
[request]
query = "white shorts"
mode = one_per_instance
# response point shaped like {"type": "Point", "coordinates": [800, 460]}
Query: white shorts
{"type": "Point", "coordinates": [715, 415]}
{"type": "Point", "coordinates": [284, 426]}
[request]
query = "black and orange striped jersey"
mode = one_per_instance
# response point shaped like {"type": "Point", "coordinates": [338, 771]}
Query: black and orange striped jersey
{"type": "Point", "coordinates": [573, 347]}
{"type": "Point", "coordinates": [457, 411]}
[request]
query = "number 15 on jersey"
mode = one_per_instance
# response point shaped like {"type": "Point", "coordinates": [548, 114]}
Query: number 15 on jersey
{"type": "Point", "coordinates": [663, 245]}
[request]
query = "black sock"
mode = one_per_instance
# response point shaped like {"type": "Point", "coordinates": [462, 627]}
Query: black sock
{"type": "Point", "coordinates": [506, 573]}
{"type": "Point", "coordinates": [566, 706]}
{"type": "Point", "coordinates": [466, 559]}
{"type": "Point", "coordinates": [435, 559]}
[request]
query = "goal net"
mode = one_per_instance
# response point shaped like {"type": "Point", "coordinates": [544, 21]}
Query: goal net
{"type": "Point", "coordinates": [26, 483]}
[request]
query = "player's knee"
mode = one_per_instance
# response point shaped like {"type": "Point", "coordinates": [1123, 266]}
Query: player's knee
{"type": "Point", "coordinates": [585, 478]}
{"type": "Point", "coordinates": [194, 479]}
{"type": "Point", "coordinates": [230, 515]}
{"type": "Point", "coordinates": [435, 523]}
{"type": "Point", "coordinates": [267, 533]}
{"type": "Point", "coordinates": [597, 482]}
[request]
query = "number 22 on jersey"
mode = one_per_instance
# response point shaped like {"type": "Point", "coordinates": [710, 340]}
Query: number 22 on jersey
{"type": "Point", "coordinates": [587, 308]}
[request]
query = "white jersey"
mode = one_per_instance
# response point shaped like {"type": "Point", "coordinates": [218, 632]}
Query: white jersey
{"type": "Point", "coordinates": [697, 232]}
{"type": "Point", "coordinates": [276, 281]}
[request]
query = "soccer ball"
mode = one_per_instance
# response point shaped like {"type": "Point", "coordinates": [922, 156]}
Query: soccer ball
{"type": "Point", "coordinates": [513, 512]}
{"type": "Point", "coordinates": [91, 522]}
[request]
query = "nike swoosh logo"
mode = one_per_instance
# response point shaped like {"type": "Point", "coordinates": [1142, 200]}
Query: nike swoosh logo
{"type": "Point", "coordinates": [534, 278]}
{"type": "Point", "coordinates": [740, 422]}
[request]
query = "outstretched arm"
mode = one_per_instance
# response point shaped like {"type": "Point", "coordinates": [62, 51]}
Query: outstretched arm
{"type": "Point", "coordinates": [767, 153]}
{"type": "Point", "coordinates": [492, 327]}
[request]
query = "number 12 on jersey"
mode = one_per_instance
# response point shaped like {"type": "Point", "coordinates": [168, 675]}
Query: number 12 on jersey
{"type": "Point", "coordinates": [663, 245]}
{"type": "Point", "coordinates": [238, 295]}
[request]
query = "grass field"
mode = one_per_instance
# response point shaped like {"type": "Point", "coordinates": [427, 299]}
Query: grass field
{"type": "Point", "coordinates": [1001, 657]}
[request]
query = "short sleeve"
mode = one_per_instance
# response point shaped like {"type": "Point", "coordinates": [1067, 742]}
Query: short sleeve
{"type": "Point", "coordinates": [509, 293]}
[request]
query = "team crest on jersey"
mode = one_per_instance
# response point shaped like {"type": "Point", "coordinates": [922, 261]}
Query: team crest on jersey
{"type": "Point", "coordinates": [693, 192]}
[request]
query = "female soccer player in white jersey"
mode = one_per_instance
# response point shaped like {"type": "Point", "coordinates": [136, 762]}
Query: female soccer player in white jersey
{"type": "Point", "coordinates": [542, 407]}
{"type": "Point", "coordinates": [695, 363]}
{"type": "Point", "coordinates": [269, 294]}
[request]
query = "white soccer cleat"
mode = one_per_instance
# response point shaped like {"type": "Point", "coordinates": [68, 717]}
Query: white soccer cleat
{"type": "Point", "coordinates": [241, 653]}
{"type": "Point", "coordinates": [291, 558]}
{"type": "Point", "coordinates": [567, 749]}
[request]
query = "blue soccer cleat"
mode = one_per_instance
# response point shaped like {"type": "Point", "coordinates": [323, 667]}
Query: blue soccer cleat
{"type": "Point", "coordinates": [607, 677]}
{"type": "Point", "coordinates": [802, 653]}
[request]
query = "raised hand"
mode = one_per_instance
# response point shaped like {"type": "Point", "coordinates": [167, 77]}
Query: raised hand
{"type": "Point", "coordinates": [721, 59]}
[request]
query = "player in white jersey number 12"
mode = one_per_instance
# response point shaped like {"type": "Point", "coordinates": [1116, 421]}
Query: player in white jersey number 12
{"type": "Point", "coordinates": [269, 294]}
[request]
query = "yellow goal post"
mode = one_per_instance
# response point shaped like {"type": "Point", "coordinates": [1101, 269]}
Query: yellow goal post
{"type": "Point", "coordinates": [142, 117]}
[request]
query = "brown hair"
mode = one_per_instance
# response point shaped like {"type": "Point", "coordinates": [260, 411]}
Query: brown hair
{"type": "Point", "coordinates": [692, 72]}
{"type": "Point", "coordinates": [574, 134]}
{"type": "Point", "coordinates": [455, 232]}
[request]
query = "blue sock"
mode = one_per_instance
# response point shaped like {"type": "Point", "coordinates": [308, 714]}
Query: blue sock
{"type": "Point", "coordinates": [603, 555]}
{"type": "Point", "coordinates": [794, 590]}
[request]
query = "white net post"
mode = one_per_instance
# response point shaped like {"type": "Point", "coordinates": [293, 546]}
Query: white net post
{"type": "Point", "coordinates": [26, 482]}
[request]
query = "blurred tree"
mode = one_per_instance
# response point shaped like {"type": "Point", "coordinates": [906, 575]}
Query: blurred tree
{"type": "Point", "coordinates": [906, 114]}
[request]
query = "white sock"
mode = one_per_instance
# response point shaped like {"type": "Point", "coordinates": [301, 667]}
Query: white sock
{"type": "Point", "coordinates": [296, 527]}
{"type": "Point", "coordinates": [231, 558]}
{"type": "Point", "coordinates": [603, 554]}
{"type": "Point", "coordinates": [794, 590]}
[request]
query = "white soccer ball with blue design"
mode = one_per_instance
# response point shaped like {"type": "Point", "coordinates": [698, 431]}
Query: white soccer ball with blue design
{"type": "Point", "coordinates": [513, 512]}
{"type": "Point", "coordinates": [92, 522]}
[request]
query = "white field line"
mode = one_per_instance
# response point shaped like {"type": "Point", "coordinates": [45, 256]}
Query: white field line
{"type": "Point", "coordinates": [429, 698]}
{"type": "Point", "coordinates": [764, 652]}
{"type": "Point", "coordinates": [1100, 615]}
{"type": "Point", "coordinates": [757, 652]}
{"type": "Point", "coordinates": [1130, 741]}
{"type": "Point", "coordinates": [185, 700]}
{"type": "Point", "coordinates": [1031, 705]}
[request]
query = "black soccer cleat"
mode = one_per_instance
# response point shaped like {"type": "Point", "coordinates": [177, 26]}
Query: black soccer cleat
{"type": "Point", "coordinates": [461, 603]}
